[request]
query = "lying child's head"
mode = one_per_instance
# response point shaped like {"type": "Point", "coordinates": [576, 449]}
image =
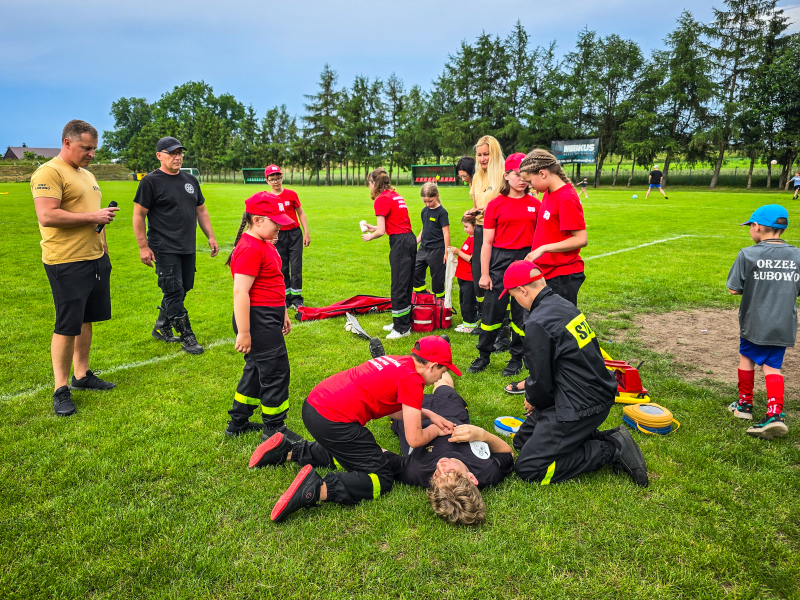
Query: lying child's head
{"type": "Point", "coordinates": [454, 494]}
{"type": "Point", "coordinates": [469, 224]}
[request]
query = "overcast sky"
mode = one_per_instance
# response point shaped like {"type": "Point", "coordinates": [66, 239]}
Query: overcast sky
{"type": "Point", "coordinates": [63, 60]}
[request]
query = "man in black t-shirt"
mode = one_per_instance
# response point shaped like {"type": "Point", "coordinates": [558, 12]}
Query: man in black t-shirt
{"type": "Point", "coordinates": [172, 203]}
{"type": "Point", "coordinates": [654, 181]}
{"type": "Point", "coordinates": [433, 241]}
{"type": "Point", "coordinates": [453, 468]}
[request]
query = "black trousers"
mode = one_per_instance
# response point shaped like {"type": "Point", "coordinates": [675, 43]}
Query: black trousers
{"type": "Point", "coordinates": [433, 258]}
{"type": "Point", "coordinates": [551, 451]}
{"type": "Point", "coordinates": [567, 286]}
{"type": "Point", "coordinates": [402, 257]}
{"type": "Point", "coordinates": [476, 267]}
{"type": "Point", "coordinates": [266, 374]}
{"type": "Point", "coordinates": [351, 447]}
{"type": "Point", "coordinates": [495, 307]}
{"type": "Point", "coordinates": [175, 278]}
{"type": "Point", "coordinates": [468, 301]}
{"type": "Point", "coordinates": [290, 248]}
{"type": "Point", "coordinates": [445, 402]}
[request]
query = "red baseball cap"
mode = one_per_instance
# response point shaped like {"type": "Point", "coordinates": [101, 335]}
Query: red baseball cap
{"type": "Point", "coordinates": [271, 170]}
{"type": "Point", "coordinates": [268, 205]}
{"type": "Point", "coordinates": [436, 350]}
{"type": "Point", "coordinates": [513, 161]}
{"type": "Point", "coordinates": [518, 274]}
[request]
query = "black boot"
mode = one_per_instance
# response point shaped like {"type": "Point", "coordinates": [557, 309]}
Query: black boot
{"type": "Point", "coordinates": [188, 341]}
{"type": "Point", "coordinates": [163, 328]}
{"type": "Point", "coordinates": [503, 342]}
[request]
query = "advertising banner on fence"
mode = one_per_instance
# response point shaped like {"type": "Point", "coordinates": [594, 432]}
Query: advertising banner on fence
{"type": "Point", "coordinates": [576, 151]}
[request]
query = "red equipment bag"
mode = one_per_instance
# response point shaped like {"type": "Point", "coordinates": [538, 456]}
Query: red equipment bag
{"type": "Point", "coordinates": [357, 304]}
{"type": "Point", "coordinates": [428, 313]}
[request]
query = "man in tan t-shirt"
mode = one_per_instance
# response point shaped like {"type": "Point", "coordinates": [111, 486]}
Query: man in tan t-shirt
{"type": "Point", "coordinates": [75, 257]}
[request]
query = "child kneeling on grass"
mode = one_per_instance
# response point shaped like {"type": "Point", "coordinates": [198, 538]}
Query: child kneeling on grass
{"type": "Point", "coordinates": [453, 469]}
{"type": "Point", "coordinates": [466, 288]}
{"type": "Point", "coordinates": [336, 412]}
{"type": "Point", "coordinates": [767, 276]}
{"type": "Point", "coordinates": [260, 319]}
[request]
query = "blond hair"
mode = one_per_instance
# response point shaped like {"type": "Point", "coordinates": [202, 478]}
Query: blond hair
{"type": "Point", "coordinates": [457, 500]}
{"type": "Point", "coordinates": [541, 160]}
{"type": "Point", "coordinates": [429, 190]}
{"type": "Point", "coordinates": [492, 177]}
{"type": "Point", "coordinates": [380, 178]}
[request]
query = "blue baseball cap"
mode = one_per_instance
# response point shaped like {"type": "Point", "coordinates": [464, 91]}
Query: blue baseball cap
{"type": "Point", "coordinates": [768, 214]}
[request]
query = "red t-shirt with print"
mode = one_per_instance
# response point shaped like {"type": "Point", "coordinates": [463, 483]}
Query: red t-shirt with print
{"type": "Point", "coordinates": [561, 213]}
{"type": "Point", "coordinates": [290, 205]}
{"type": "Point", "coordinates": [464, 268]}
{"type": "Point", "coordinates": [392, 207]}
{"type": "Point", "coordinates": [374, 389]}
{"type": "Point", "coordinates": [513, 221]}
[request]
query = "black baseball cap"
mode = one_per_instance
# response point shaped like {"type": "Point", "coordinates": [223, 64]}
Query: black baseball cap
{"type": "Point", "coordinates": [168, 144]}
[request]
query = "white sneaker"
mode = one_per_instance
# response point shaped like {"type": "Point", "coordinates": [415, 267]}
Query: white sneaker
{"type": "Point", "coordinates": [462, 328]}
{"type": "Point", "coordinates": [388, 327]}
{"type": "Point", "coordinates": [396, 335]}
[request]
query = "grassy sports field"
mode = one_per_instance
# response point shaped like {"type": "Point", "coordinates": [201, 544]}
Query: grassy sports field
{"type": "Point", "coordinates": [141, 495]}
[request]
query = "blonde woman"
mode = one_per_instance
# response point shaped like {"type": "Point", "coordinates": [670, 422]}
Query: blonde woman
{"type": "Point", "coordinates": [486, 183]}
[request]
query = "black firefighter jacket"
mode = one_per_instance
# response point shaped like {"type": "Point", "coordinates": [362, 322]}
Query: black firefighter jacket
{"type": "Point", "coordinates": [564, 361]}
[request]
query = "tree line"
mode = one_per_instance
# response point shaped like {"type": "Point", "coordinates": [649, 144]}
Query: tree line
{"type": "Point", "coordinates": [728, 86]}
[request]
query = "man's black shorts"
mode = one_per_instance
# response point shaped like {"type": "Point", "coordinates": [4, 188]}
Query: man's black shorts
{"type": "Point", "coordinates": [81, 293]}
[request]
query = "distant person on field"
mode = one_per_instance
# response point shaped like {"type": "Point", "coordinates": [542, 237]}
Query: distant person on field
{"type": "Point", "coordinates": [796, 181]}
{"type": "Point", "coordinates": [292, 239]}
{"type": "Point", "coordinates": [583, 189]}
{"type": "Point", "coordinates": [465, 169]}
{"type": "Point", "coordinates": [654, 181]}
{"type": "Point", "coordinates": [433, 240]}
{"type": "Point", "coordinates": [767, 276]}
{"type": "Point", "coordinates": [172, 203]}
{"type": "Point", "coordinates": [69, 208]}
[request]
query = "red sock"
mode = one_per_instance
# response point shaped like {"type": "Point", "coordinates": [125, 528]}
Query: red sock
{"type": "Point", "coordinates": [746, 380]}
{"type": "Point", "coordinates": [774, 395]}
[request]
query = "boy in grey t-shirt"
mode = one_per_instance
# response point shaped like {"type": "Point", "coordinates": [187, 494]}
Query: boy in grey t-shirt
{"type": "Point", "coordinates": [767, 276]}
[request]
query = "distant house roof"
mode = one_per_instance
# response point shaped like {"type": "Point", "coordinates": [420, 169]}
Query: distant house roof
{"type": "Point", "coordinates": [16, 152]}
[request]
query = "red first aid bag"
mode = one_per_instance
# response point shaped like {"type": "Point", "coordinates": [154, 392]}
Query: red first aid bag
{"type": "Point", "coordinates": [429, 313]}
{"type": "Point", "coordinates": [357, 305]}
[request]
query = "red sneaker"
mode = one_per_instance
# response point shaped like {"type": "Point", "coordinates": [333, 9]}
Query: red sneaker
{"type": "Point", "coordinates": [271, 452]}
{"type": "Point", "coordinates": [303, 493]}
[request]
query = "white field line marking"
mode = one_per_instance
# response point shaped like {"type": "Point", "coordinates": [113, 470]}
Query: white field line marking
{"type": "Point", "coordinates": [640, 246]}
{"type": "Point", "coordinates": [132, 365]}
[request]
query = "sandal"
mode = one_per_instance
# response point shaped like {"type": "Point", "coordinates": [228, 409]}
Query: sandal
{"type": "Point", "coordinates": [513, 388]}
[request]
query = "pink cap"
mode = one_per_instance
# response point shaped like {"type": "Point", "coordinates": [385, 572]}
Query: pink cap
{"type": "Point", "coordinates": [436, 350]}
{"type": "Point", "coordinates": [513, 161]}
{"type": "Point", "coordinates": [518, 273]}
{"type": "Point", "coordinates": [271, 170]}
{"type": "Point", "coordinates": [268, 205]}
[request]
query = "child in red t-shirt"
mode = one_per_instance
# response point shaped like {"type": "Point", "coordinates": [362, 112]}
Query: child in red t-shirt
{"type": "Point", "coordinates": [508, 227]}
{"type": "Point", "coordinates": [260, 320]}
{"type": "Point", "coordinates": [392, 215]}
{"type": "Point", "coordinates": [336, 412]}
{"type": "Point", "coordinates": [561, 229]}
{"type": "Point", "coordinates": [466, 289]}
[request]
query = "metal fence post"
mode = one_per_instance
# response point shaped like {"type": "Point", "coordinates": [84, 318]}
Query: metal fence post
{"type": "Point", "coordinates": [734, 174]}
{"type": "Point", "coordinates": [690, 175]}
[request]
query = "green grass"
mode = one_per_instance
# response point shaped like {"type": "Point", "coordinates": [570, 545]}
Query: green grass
{"type": "Point", "coordinates": [141, 495]}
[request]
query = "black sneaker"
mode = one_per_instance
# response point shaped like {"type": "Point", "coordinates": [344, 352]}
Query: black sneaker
{"type": "Point", "coordinates": [62, 402]}
{"type": "Point", "coordinates": [376, 347]}
{"type": "Point", "coordinates": [91, 382]}
{"type": "Point", "coordinates": [271, 452]}
{"type": "Point", "coordinates": [298, 305]}
{"type": "Point", "coordinates": [769, 428]}
{"type": "Point", "coordinates": [512, 368]}
{"type": "Point", "coordinates": [234, 429]}
{"type": "Point", "coordinates": [303, 493]}
{"type": "Point", "coordinates": [293, 437]}
{"type": "Point", "coordinates": [479, 364]}
{"type": "Point", "coordinates": [628, 457]}
{"type": "Point", "coordinates": [446, 338]}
